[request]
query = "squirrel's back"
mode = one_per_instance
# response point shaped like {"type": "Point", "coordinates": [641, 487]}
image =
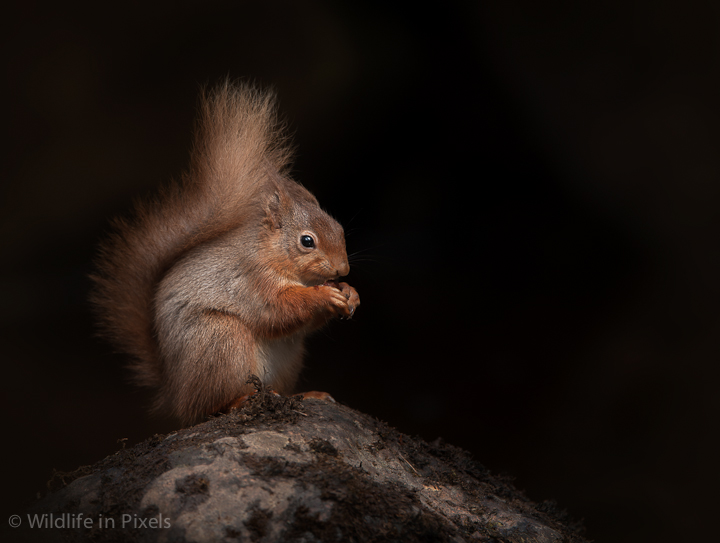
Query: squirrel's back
{"type": "Point", "coordinates": [238, 145]}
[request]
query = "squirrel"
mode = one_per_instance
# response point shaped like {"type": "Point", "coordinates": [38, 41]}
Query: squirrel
{"type": "Point", "coordinates": [224, 274]}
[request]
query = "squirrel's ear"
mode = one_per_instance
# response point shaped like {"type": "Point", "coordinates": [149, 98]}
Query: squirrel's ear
{"type": "Point", "coordinates": [274, 211]}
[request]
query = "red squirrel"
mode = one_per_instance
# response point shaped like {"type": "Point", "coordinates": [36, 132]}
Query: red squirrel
{"type": "Point", "coordinates": [224, 274]}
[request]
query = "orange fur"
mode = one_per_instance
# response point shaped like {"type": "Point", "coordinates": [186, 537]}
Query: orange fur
{"type": "Point", "coordinates": [211, 281]}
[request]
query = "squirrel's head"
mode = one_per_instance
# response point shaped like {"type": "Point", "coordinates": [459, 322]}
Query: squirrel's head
{"type": "Point", "coordinates": [311, 241]}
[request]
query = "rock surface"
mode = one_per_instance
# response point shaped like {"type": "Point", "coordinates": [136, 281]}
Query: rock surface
{"type": "Point", "coordinates": [290, 470]}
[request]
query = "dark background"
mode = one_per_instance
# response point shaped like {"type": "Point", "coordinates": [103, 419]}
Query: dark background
{"type": "Point", "coordinates": [532, 190]}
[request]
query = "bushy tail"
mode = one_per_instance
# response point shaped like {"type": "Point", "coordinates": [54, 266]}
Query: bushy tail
{"type": "Point", "coordinates": [238, 143]}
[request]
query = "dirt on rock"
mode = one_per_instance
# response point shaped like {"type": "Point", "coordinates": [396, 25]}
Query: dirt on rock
{"type": "Point", "coordinates": [287, 469]}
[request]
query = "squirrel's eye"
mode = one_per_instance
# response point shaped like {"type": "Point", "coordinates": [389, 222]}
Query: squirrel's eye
{"type": "Point", "coordinates": [307, 241]}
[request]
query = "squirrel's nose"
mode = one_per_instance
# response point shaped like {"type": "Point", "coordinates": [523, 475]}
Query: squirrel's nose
{"type": "Point", "coordinates": [343, 269]}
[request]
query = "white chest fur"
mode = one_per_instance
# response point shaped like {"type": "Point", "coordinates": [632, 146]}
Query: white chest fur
{"type": "Point", "coordinates": [279, 361]}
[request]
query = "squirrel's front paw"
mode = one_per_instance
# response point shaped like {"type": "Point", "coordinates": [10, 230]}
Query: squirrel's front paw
{"type": "Point", "coordinates": [335, 299]}
{"type": "Point", "coordinates": [341, 299]}
{"type": "Point", "coordinates": [351, 297]}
